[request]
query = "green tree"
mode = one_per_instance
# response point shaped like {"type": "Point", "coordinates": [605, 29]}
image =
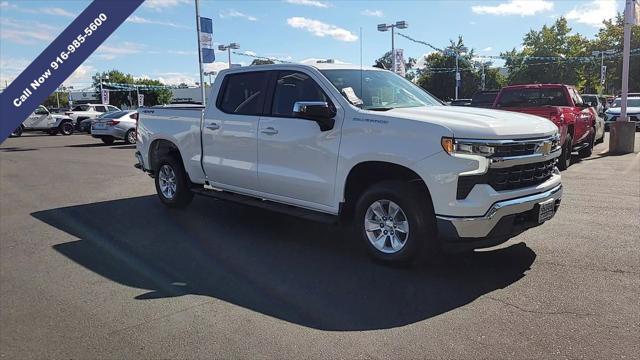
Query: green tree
{"type": "Point", "coordinates": [121, 96]}
{"type": "Point", "coordinates": [52, 100]}
{"type": "Point", "coordinates": [386, 62]}
{"type": "Point", "coordinates": [262, 62]}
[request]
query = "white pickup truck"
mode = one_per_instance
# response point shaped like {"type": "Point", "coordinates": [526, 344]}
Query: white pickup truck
{"type": "Point", "coordinates": [331, 142]}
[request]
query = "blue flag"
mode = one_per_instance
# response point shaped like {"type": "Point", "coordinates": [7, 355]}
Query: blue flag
{"type": "Point", "coordinates": [206, 40]}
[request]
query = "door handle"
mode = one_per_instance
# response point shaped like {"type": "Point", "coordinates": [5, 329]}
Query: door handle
{"type": "Point", "coordinates": [269, 131]}
{"type": "Point", "coordinates": [213, 126]}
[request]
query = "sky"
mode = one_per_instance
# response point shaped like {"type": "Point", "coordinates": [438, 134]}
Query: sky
{"type": "Point", "coordinates": [158, 40]}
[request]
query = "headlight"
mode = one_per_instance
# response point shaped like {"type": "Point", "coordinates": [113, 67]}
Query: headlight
{"type": "Point", "coordinates": [455, 146]}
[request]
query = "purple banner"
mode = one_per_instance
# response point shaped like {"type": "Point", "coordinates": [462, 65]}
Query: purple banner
{"type": "Point", "coordinates": [60, 59]}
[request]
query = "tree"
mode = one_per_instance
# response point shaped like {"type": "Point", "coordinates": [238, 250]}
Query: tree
{"type": "Point", "coordinates": [123, 90]}
{"type": "Point", "coordinates": [262, 62]}
{"type": "Point", "coordinates": [438, 76]}
{"type": "Point", "coordinates": [386, 62]}
{"type": "Point", "coordinates": [52, 100]}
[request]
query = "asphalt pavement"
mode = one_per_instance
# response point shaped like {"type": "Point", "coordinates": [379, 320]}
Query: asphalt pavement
{"type": "Point", "coordinates": [93, 266]}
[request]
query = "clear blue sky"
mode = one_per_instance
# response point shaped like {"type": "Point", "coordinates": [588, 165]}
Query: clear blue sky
{"type": "Point", "coordinates": [159, 39]}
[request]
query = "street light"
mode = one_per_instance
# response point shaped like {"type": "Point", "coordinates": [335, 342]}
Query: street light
{"type": "Point", "coordinates": [384, 27]}
{"type": "Point", "coordinates": [602, 68]}
{"type": "Point", "coordinates": [209, 73]}
{"type": "Point", "coordinates": [453, 51]}
{"type": "Point", "coordinates": [233, 46]}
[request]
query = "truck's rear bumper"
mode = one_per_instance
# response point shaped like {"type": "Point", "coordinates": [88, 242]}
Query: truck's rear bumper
{"type": "Point", "coordinates": [504, 220]}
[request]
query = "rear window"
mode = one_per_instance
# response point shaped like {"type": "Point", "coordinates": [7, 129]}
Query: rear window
{"type": "Point", "coordinates": [243, 93]}
{"type": "Point", "coordinates": [532, 97]}
{"type": "Point", "coordinates": [113, 115]}
{"type": "Point", "coordinates": [484, 98]}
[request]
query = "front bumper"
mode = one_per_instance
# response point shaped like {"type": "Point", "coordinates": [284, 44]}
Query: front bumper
{"type": "Point", "coordinates": [504, 220]}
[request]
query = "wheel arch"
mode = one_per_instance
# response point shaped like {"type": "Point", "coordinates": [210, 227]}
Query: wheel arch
{"type": "Point", "coordinates": [366, 173]}
{"type": "Point", "coordinates": [159, 148]}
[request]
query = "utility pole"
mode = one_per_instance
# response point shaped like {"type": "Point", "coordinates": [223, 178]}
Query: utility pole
{"type": "Point", "coordinates": [452, 51]}
{"type": "Point", "coordinates": [199, 52]}
{"type": "Point", "coordinates": [385, 27]}
{"type": "Point", "coordinates": [603, 69]}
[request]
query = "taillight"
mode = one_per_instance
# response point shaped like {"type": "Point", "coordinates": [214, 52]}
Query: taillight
{"type": "Point", "coordinates": [113, 122]}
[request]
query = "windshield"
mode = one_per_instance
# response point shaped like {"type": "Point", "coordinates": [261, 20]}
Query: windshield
{"type": "Point", "coordinates": [631, 102]}
{"type": "Point", "coordinates": [379, 90]}
{"type": "Point", "coordinates": [524, 97]}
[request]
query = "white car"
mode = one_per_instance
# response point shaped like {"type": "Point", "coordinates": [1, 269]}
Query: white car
{"type": "Point", "coordinates": [42, 120]}
{"type": "Point", "coordinates": [118, 125]}
{"type": "Point", "coordinates": [633, 111]}
{"type": "Point", "coordinates": [336, 142]}
{"type": "Point", "coordinates": [88, 111]}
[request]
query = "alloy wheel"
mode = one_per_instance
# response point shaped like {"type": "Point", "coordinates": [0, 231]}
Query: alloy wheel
{"type": "Point", "coordinates": [167, 181]}
{"type": "Point", "coordinates": [386, 226]}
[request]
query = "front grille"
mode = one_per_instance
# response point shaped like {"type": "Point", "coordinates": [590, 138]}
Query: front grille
{"type": "Point", "coordinates": [511, 178]}
{"type": "Point", "coordinates": [517, 149]}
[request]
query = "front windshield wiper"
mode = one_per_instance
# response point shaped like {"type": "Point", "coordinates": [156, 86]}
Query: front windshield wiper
{"type": "Point", "coordinates": [379, 108]}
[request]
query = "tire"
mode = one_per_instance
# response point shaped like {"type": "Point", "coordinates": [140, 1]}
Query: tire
{"type": "Point", "coordinates": [130, 137]}
{"type": "Point", "coordinates": [107, 140]}
{"type": "Point", "coordinates": [388, 242]}
{"type": "Point", "coordinates": [172, 184]}
{"type": "Point", "coordinates": [17, 132]}
{"type": "Point", "coordinates": [586, 152]}
{"type": "Point", "coordinates": [564, 161]}
{"type": "Point", "coordinates": [66, 128]}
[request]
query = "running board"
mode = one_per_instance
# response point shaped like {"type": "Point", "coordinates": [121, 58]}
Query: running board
{"type": "Point", "coordinates": [266, 204]}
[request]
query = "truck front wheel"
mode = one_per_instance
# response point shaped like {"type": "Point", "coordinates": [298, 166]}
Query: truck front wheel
{"type": "Point", "coordinates": [396, 221]}
{"type": "Point", "coordinates": [587, 151]}
{"type": "Point", "coordinates": [66, 128]}
{"type": "Point", "coordinates": [565, 157]}
{"type": "Point", "coordinates": [172, 184]}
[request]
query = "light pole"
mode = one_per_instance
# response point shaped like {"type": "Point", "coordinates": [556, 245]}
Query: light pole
{"type": "Point", "coordinates": [384, 27]}
{"type": "Point", "coordinates": [209, 73]}
{"type": "Point", "coordinates": [100, 78]}
{"type": "Point", "coordinates": [602, 68]}
{"type": "Point", "coordinates": [233, 46]}
{"type": "Point", "coordinates": [452, 51]}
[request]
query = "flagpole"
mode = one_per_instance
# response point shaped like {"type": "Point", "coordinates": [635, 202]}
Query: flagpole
{"type": "Point", "coordinates": [625, 59]}
{"type": "Point", "coordinates": [204, 103]}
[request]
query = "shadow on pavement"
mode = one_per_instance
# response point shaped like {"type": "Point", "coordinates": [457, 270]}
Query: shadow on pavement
{"type": "Point", "coordinates": [306, 273]}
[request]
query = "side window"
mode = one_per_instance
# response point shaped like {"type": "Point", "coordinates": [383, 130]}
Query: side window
{"type": "Point", "coordinates": [41, 110]}
{"type": "Point", "coordinates": [101, 109]}
{"type": "Point", "coordinates": [293, 86]}
{"type": "Point", "coordinates": [112, 108]}
{"type": "Point", "coordinates": [577, 99]}
{"type": "Point", "coordinates": [243, 93]}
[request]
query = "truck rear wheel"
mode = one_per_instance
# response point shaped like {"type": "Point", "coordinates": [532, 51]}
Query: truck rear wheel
{"type": "Point", "coordinates": [395, 221]}
{"type": "Point", "coordinates": [565, 157]}
{"type": "Point", "coordinates": [172, 184]}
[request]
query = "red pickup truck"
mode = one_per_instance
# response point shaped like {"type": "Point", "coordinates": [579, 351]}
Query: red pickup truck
{"type": "Point", "coordinates": [562, 105]}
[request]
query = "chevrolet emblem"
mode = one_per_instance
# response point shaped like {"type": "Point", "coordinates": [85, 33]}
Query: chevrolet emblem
{"type": "Point", "coordinates": [545, 148]}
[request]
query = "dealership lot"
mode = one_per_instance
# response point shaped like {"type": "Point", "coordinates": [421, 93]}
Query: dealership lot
{"type": "Point", "coordinates": [91, 265]}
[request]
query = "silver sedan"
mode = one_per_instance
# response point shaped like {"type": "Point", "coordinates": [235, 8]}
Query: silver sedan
{"type": "Point", "coordinates": [118, 125]}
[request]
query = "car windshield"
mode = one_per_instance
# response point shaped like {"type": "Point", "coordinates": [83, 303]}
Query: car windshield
{"type": "Point", "coordinates": [379, 90]}
{"type": "Point", "coordinates": [525, 97]}
{"type": "Point", "coordinates": [113, 115]}
{"type": "Point", "coordinates": [631, 102]}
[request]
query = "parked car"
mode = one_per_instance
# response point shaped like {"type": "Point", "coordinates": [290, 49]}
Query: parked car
{"type": "Point", "coordinates": [460, 102]}
{"type": "Point", "coordinates": [336, 142]}
{"type": "Point", "coordinates": [85, 125]}
{"type": "Point", "coordinates": [484, 99]}
{"type": "Point", "coordinates": [561, 104]}
{"type": "Point", "coordinates": [633, 111]}
{"type": "Point", "coordinates": [42, 120]}
{"type": "Point", "coordinates": [118, 125]}
{"type": "Point", "coordinates": [88, 111]}
{"type": "Point", "coordinates": [597, 102]}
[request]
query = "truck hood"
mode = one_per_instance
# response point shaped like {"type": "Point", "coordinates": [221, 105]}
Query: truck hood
{"type": "Point", "coordinates": [476, 123]}
{"type": "Point", "coordinates": [630, 110]}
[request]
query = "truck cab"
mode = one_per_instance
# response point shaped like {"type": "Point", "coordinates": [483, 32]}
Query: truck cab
{"type": "Point", "coordinates": [361, 146]}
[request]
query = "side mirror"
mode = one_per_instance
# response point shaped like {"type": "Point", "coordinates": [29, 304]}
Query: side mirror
{"type": "Point", "coordinates": [318, 111]}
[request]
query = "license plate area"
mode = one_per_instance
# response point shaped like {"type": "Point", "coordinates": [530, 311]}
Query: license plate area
{"type": "Point", "coordinates": [99, 126]}
{"type": "Point", "coordinates": [546, 210]}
